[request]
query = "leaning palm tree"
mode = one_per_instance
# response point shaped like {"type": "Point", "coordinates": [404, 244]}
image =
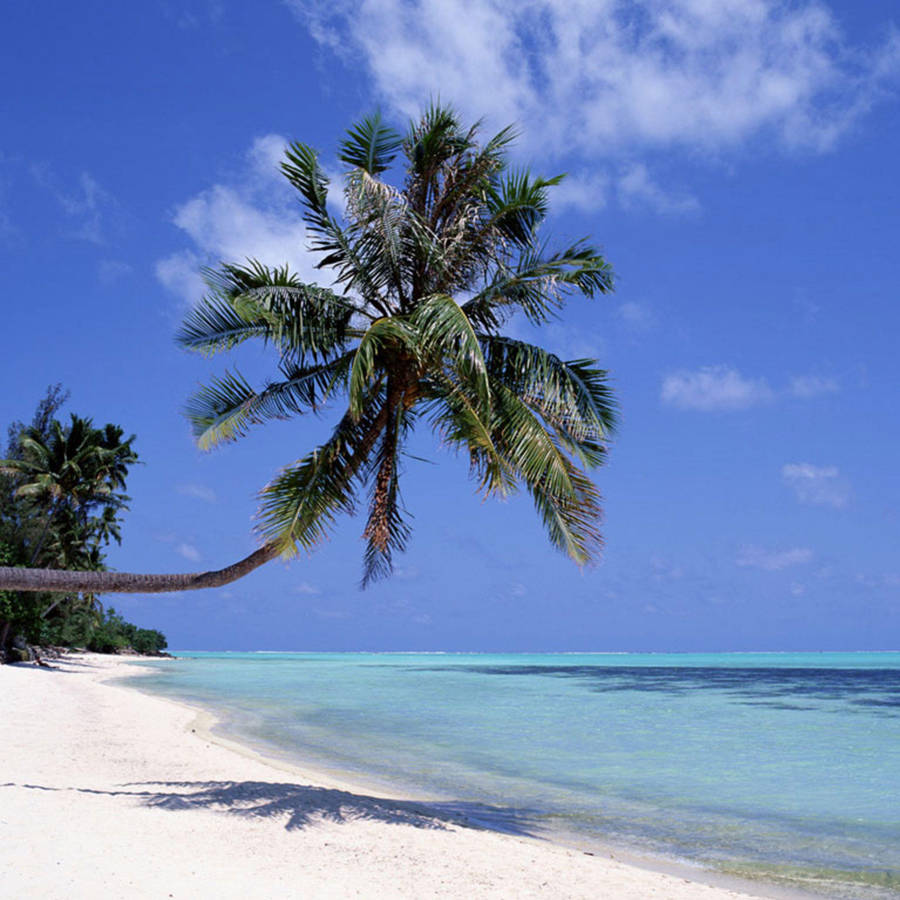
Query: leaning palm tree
{"type": "Point", "coordinates": [409, 330]}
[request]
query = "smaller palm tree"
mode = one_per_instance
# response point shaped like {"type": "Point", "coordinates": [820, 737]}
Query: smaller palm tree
{"type": "Point", "coordinates": [64, 477]}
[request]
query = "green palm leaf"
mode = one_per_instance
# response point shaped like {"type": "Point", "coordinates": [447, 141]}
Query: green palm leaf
{"type": "Point", "coordinates": [227, 407]}
{"type": "Point", "coordinates": [370, 145]}
{"type": "Point", "coordinates": [300, 505]}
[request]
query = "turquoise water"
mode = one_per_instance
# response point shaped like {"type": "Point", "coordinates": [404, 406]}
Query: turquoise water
{"type": "Point", "coordinates": [783, 766]}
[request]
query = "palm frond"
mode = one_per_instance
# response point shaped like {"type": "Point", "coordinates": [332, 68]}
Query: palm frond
{"type": "Point", "coordinates": [227, 407]}
{"type": "Point", "coordinates": [301, 167]}
{"type": "Point", "coordinates": [370, 145]}
{"type": "Point", "coordinates": [270, 303]}
{"type": "Point", "coordinates": [383, 333]}
{"type": "Point", "coordinates": [573, 397]}
{"type": "Point", "coordinates": [214, 326]}
{"type": "Point", "coordinates": [446, 335]}
{"type": "Point", "coordinates": [537, 283]}
{"type": "Point", "coordinates": [566, 498]}
{"type": "Point", "coordinates": [519, 204]}
{"type": "Point", "coordinates": [299, 506]}
{"type": "Point", "coordinates": [458, 421]}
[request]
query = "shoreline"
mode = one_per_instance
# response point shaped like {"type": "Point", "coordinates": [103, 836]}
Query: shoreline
{"type": "Point", "coordinates": [177, 786]}
{"type": "Point", "coordinates": [214, 726]}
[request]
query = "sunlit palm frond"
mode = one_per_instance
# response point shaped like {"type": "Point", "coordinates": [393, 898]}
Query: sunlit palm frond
{"type": "Point", "coordinates": [370, 145]}
{"type": "Point", "coordinates": [566, 498]}
{"type": "Point", "coordinates": [573, 398]}
{"type": "Point", "coordinates": [446, 337]}
{"type": "Point", "coordinates": [300, 505]}
{"type": "Point", "coordinates": [228, 406]}
{"type": "Point", "coordinates": [270, 303]}
{"type": "Point", "coordinates": [537, 285]}
{"type": "Point", "coordinates": [456, 419]}
{"type": "Point", "coordinates": [387, 335]}
{"type": "Point", "coordinates": [301, 168]}
{"type": "Point", "coordinates": [518, 204]}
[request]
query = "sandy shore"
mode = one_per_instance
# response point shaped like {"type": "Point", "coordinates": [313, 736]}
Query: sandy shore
{"type": "Point", "coordinates": [107, 791]}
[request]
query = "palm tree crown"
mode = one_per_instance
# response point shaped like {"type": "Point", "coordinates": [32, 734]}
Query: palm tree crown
{"type": "Point", "coordinates": [423, 278]}
{"type": "Point", "coordinates": [73, 478]}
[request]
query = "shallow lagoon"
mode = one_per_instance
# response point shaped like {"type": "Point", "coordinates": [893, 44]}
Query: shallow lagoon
{"type": "Point", "coordinates": [782, 766]}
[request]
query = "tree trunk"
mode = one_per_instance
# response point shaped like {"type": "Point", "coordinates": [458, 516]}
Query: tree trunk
{"type": "Point", "coordinates": [4, 635]}
{"type": "Point", "coordinates": [61, 580]}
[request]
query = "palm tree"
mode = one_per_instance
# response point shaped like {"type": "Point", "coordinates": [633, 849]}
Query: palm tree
{"type": "Point", "coordinates": [69, 482]}
{"type": "Point", "coordinates": [65, 475]}
{"type": "Point", "coordinates": [424, 277]}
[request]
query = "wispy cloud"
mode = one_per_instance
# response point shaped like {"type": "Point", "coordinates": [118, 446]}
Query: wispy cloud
{"type": "Point", "coordinates": [86, 204]}
{"type": "Point", "coordinates": [188, 551]}
{"type": "Point", "coordinates": [307, 589]}
{"type": "Point", "coordinates": [817, 485]}
{"type": "Point", "coordinates": [584, 192]}
{"type": "Point", "coordinates": [600, 75]}
{"type": "Point", "coordinates": [773, 560]}
{"type": "Point", "coordinates": [636, 189]}
{"type": "Point", "coordinates": [109, 271]}
{"type": "Point", "coordinates": [198, 491]}
{"type": "Point", "coordinates": [723, 388]}
{"type": "Point", "coordinates": [714, 388]}
{"type": "Point", "coordinates": [805, 386]}
{"type": "Point", "coordinates": [637, 316]}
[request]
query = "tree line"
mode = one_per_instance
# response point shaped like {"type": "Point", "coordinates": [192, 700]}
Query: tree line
{"type": "Point", "coordinates": [62, 496]}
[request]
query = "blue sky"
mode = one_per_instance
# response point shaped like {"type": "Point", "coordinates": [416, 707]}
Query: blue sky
{"type": "Point", "coordinates": [737, 161]}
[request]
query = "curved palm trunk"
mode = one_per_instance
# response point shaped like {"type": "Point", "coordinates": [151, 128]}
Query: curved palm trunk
{"type": "Point", "coordinates": [59, 580]}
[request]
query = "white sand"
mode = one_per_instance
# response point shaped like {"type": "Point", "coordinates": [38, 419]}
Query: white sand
{"type": "Point", "coordinates": [105, 791]}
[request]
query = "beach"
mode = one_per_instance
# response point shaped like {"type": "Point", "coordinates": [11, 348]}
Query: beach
{"type": "Point", "coordinates": [106, 790]}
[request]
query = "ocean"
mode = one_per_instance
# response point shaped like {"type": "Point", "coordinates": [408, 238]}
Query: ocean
{"type": "Point", "coordinates": [780, 766]}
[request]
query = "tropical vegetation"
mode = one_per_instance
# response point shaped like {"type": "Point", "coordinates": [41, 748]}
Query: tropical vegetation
{"type": "Point", "coordinates": [432, 246]}
{"type": "Point", "coordinates": [61, 502]}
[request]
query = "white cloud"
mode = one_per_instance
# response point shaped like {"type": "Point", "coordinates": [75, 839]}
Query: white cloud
{"type": "Point", "coordinates": [255, 215]}
{"type": "Point", "coordinates": [805, 386]}
{"type": "Point", "coordinates": [180, 273]}
{"type": "Point", "coordinates": [583, 192]}
{"type": "Point", "coordinates": [637, 316]}
{"type": "Point", "coordinates": [817, 485]}
{"type": "Point", "coordinates": [266, 154]}
{"type": "Point", "coordinates": [306, 588]}
{"type": "Point", "coordinates": [188, 551]}
{"type": "Point", "coordinates": [773, 560]}
{"type": "Point", "coordinates": [198, 491]}
{"type": "Point", "coordinates": [223, 223]}
{"type": "Point", "coordinates": [600, 75]}
{"type": "Point", "coordinates": [566, 341]}
{"type": "Point", "coordinates": [714, 388]}
{"type": "Point", "coordinates": [636, 189]}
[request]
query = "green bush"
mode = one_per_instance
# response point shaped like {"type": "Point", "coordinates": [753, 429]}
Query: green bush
{"type": "Point", "coordinates": [113, 633]}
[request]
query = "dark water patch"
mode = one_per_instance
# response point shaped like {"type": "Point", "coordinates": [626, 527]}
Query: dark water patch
{"type": "Point", "coordinates": [771, 705]}
{"type": "Point", "coordinates": [752, 683]}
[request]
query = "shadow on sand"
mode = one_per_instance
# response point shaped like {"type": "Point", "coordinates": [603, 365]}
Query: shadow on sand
{"type": "Point", "coordinates": [303, 805]}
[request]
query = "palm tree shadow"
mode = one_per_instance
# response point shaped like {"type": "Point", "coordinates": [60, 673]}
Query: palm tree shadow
{"type": "Point", "coordinates": [303, 805]}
